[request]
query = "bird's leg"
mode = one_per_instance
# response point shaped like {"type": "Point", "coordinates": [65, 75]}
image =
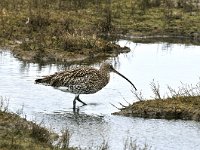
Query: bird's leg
{"type": "Point", "coordinates": [80, 100]}
{"type": "Point", "coordinates": [74, 103]}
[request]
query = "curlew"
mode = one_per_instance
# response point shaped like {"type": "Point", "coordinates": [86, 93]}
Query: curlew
{"type": "Point", "coordinates": [83, 80]}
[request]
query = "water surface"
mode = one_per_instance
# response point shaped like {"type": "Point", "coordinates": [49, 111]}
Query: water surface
{"type": "Point", "coordinates": [166, 64]}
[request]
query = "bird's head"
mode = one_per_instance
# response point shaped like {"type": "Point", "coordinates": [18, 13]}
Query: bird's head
{"type": "Point", "coordinates": [107, 67]}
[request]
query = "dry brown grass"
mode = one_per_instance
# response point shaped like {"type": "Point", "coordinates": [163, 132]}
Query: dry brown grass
{"type": "Point", "coordinates": [17, 133]}
{"type": "Point", "coordinates": [183, 103]}
{"type": "Point", "coordinates": [47, 30]}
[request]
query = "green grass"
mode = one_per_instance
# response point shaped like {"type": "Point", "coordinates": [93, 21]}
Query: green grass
{"type": "Point", "coordinates": [17, 133]}
{"type": "Point", "coordinates": [67, 31]}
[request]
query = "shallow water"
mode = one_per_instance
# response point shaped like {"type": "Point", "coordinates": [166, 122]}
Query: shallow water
{"type": "Point", "coordinates": [166, 64]}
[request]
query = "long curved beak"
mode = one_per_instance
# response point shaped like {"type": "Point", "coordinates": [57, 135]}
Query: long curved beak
{"type": "Point", "coordinates": [115, 71]}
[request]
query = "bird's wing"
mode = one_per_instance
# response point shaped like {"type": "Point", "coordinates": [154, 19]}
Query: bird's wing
{"type": "Point", "coordinates": [77, 76]}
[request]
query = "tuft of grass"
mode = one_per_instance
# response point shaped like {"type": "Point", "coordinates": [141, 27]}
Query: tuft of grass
{"type": "Point", "coordinates": [4, 103]}
{"type": "Point", "coordinates": [183, 104]}
{"type": "Point", "coordinates": [131, 144]}
{"type": "Point", "coordinates": [41, 134]}
{"type": "Point", "coordinates": [103, 146]}
{"type": "Point", "coordinates": [64, 139]}
{"type": "Point", "coordinates": [156, 90]}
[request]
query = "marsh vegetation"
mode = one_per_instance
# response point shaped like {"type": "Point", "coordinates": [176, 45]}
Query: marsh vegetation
{"type": "Point", "coordinates": [182, 104]}
{"type": "Point", "coordinates": [17, 133]}
{"type": "Point", "coordinates": [73, 30]}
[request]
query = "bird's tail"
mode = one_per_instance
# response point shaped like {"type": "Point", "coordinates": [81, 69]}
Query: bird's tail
{"type": "Point", "coordinates": [38, 81]}
{"type": "Point", "coordinates": [46, 80]}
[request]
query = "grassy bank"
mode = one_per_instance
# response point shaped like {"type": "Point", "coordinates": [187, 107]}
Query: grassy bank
{"type": "Point", "coordinates": [74, 30]}
{"type": "Point", "coordinates": [16, 133]}
{"type": "Point", "coordinates": [182, 104]}
{"type": "Point", "coordinates": [19, 134]}
{"type": "Point", "coordinates": [185, 108]}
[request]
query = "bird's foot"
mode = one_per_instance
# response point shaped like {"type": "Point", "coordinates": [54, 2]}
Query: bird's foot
{"type": "Point", "coordinates": [81, 101]}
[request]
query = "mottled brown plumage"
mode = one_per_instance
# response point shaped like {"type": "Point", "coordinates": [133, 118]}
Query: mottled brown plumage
{"type": "Point", "coordinates": [83, 80]}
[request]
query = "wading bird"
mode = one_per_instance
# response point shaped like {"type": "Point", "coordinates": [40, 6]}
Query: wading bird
{"type": "Point", "coordinates": [83, 80]}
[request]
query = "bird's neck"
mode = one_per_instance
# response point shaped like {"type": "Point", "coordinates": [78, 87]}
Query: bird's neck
{"type": "Point", "coordinates": [105, 74]}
